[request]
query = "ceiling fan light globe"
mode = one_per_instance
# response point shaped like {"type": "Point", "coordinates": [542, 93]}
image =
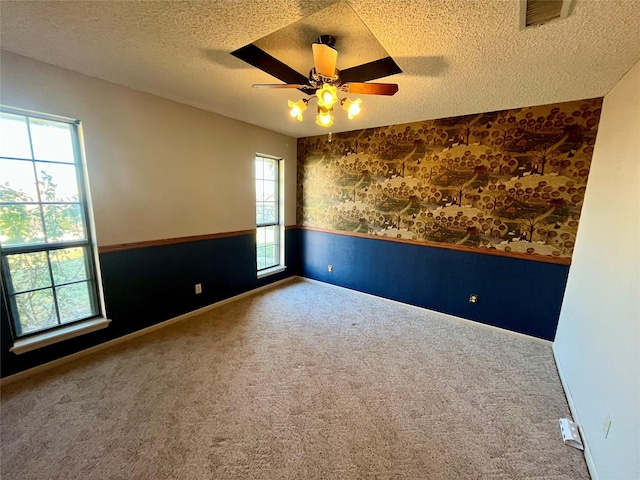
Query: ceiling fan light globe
{"type": "Point", "coordinates": [327, 96]}
{"type": "Point", "coordinates": [324, 119]}
{"type": "Point", "coordinates": [353, 107]}
{"type": "Point", "coordinates": [297, 108]}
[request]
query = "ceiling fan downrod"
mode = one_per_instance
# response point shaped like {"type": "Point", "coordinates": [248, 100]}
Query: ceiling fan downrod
{"type": "Point", "coordinates": [327, 40]}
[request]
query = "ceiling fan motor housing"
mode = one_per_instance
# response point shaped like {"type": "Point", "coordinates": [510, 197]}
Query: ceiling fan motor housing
{"type": "Point", "coordinates": [324, 59]}
{"type": "Point", "coordinates": [328, 40]}
{"type": "Point", "coordinates": [316, 80]}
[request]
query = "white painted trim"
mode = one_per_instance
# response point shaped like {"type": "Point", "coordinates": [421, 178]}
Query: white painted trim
{"type": "Point", "coordinates": [54, 336]}
{"type": "Point", "coordinates": [522, 15]}
{"type": "Point", "coordinates": [566, 8]}
{"type": "Point", "coordinates": [574, 413]}
{"type": "Point", "coordinates": [271, 271]}
{"type": "Point", "coordinates": [472, 323]}
{"type": "Point", "coordinates": [83, 353]}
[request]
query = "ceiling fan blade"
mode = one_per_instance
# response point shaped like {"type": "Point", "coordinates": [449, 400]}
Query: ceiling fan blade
{"type": "Point", "coordinates": [370, 71]}
{"type": "Point", "coordinates": [308, 89]}
{"type": "Point", "coordinates": [324, 59]}
{"type": "Point", "coordinates": [260, 59]}
{"type": "Point", "coordinates": [278, 85]}
{"type": "Point", "coordinates": [283, 85]}
{"type": "Point", "coordinates": [370, 88]}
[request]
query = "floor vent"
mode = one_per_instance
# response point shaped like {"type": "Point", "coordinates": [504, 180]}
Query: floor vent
{"type": "Point", "coordinates": [538, 12]}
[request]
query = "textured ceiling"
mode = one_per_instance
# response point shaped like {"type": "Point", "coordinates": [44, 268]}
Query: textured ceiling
{"type": "Point", "coordinates": [356, 44]}
{"type": "Point", "coordinates": [458, 57]}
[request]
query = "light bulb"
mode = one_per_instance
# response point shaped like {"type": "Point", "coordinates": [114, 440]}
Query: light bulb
{"type": "Point", "coordinates": [324, 119]}
{"type": "Point", "coordinates": [327, 96]}
{"type": "Point", "coordinates": [297, 108]}
{"type": "Point", "coordinates": [352, 107]}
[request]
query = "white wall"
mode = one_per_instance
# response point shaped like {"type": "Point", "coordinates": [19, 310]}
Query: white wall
{"type": "Point", "coordinates": [157, 169]}
{"type": "Point", "coordinates": [597, 345]}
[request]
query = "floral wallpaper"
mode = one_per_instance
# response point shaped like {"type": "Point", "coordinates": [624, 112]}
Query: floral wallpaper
{"type": "Point", "coordinates": [512, 180]}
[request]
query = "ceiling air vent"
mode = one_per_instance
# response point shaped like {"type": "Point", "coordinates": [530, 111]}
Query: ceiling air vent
{"type": "Point", "coordinates": [539, 12]}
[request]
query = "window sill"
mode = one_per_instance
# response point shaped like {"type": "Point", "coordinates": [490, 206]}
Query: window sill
{"type": "Point", "coordinates": [48, 338]}
{"type": "Point", "coordinates": [271, 271]}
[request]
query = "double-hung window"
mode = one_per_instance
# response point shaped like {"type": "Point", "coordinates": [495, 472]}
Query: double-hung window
{"type": "Point", "coordinates": [48, 269]}
{"type": "Point", "coordinates": [268, 231]}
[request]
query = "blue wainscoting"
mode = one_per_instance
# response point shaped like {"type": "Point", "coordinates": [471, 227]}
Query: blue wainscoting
{"type": "Point", "coordinates": [515, 294]}
{"type": "Point", "coordinates": [146, 286]}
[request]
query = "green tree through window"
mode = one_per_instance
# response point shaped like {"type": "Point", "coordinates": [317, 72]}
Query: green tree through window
{"type": "Point", "coordinates": [47, 260]}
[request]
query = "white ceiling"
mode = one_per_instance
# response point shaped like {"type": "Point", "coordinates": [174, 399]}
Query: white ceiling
{"type": "Point", "coordinates": [458, 57]}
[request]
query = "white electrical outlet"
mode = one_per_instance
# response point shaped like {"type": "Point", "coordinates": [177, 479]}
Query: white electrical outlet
{"type": "Point", "coordinates": [606, 426]}
{"type": "Point", "coordinates": [198, 288]}
{"type": "Point", "coordinates": [473, 298]}
{"type": "Point", "coordinates": [329, 268]}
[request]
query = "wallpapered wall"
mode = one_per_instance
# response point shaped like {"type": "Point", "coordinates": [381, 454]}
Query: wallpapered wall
{"type": "Point", "coordinates": [512, 180]}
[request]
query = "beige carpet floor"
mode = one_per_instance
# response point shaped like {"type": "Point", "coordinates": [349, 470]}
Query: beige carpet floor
{"type": "Point", "coordinates": [303, 381]}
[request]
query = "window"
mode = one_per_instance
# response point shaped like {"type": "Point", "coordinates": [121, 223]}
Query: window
{"type": "Point", "coordinates": [268, 232]}
{"type": "Point", "coordinates": [48, 270]}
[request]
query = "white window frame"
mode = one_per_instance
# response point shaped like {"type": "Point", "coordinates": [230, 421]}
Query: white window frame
{"type": "Point", "coordinates": [25, 342]}
{"type": "Point", "coordinates": [279, 223]}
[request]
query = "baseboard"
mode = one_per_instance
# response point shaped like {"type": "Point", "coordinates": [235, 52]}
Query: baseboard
{"type": "Point", "coordinates": [125, 338]}
{"type": "Point", "coordinates": [472, 323]}
{"type": "Point", "coordinates": [576, 418]}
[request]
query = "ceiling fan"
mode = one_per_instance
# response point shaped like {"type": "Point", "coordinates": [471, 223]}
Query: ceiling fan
{"type": "Point", "coordinates": [324, 79]}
